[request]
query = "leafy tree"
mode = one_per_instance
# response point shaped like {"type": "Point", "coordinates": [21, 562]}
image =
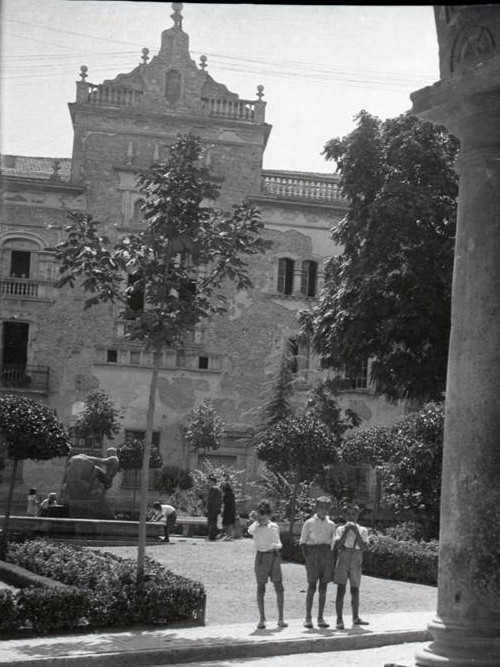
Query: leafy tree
{"type": "Point", "coordinates": [98, 419]}
{"type": "Point", "coordinates": [298, 448]}
{"type": "Point", "coordinates": [29, 430]}
{"type": "Point", "coordinates": [387, 295]}
{"type": "Point", "coordinates": [280, 488]}
{"type": "Point", "coordinates": [205, 429]}
{"type": "Point", "coordinates": [182, 262]}
{"type": "Point", "coordinates": [409, 456]}
{"type": "Point", "coordinates": [131, 455]}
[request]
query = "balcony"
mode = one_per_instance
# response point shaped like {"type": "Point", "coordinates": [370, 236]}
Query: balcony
{"type": "Point", "coordinates": [23, 288]}
{"type": "Point", "coordinates": [251, 110]}
{"type": "Point", "coordinates": [302, 187]}
{"type": "Point", "coordinates": [24, 378]}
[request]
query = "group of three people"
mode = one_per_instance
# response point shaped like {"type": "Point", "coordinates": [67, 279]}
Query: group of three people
{"type": "Point", "coordinates": [330, 553]}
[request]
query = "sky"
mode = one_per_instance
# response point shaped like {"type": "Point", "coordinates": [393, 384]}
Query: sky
{"type": "Point", "coordinates": [320, 64]}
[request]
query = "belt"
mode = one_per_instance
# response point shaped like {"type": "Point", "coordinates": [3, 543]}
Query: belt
{"type": "Point", "coordinates": [271, 551]}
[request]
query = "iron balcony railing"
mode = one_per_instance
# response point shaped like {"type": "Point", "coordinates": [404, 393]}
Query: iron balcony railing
{"type": "Point", "coordinates": [27, 378]}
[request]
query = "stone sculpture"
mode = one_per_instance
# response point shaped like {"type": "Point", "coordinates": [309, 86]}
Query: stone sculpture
{"type": "Point", "coordinates": [87, 480]}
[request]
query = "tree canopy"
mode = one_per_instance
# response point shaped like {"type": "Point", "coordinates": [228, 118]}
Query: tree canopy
{"type": "Point", "coordinates": [206, 428]}
{"type": "Point", "coordinates": [31, 430]}
{"type": "Point", "coordinates": [387, 294]}
{"type": "Point", "coordinates": [409, 456]}
{"type": "Point", "coordinates": [99, 417]}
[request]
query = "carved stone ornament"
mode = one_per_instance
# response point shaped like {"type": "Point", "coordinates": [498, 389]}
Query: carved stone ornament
{"type": "Point", "coordinates": [472, 46]}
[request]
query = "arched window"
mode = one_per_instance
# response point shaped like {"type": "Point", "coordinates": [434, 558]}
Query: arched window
{"type": "Point", "coordinates": [309, 278]}
{"type": "Point", "coordinates": [285, 275]}
{"type": "Point", "coordinates": [173, 86]}
{"type": "Point", "coordinates": [135, 299]}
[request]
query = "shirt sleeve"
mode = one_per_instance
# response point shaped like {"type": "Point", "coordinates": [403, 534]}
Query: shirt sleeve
{"type": "Point", "coordinates": [276, 531]}
{"type": "Point", "coordinates": [252, 527]}
{"type": "Point", "coordinates": [338, 534]}
{"type": "Point", "coordinates": [304, 534]}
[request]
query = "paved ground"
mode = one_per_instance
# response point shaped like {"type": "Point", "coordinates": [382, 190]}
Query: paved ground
{"type": "Point", "coordinates": [402, 654]}
{"type": "Point", "coordinates": [226, 570]}
{"type": "Point", "coordinates": [212, 643]}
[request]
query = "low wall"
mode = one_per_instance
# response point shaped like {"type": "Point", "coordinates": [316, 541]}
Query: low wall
{"type": "Point", "coordinates": [82, 528]}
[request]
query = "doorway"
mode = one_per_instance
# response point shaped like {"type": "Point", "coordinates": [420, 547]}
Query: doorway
{"type": "Point", "coordinates": [15, 344]}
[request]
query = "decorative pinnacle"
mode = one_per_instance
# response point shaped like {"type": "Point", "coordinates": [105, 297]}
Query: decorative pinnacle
{"type": "Point", "coordinates": [203, 62]}
{"type": "Point", "coordinates": [260, 92]}
{"type": "Point", "coordinates": [145, 56]}
{"type": "Point", "coordinates": [177, 16]}
{"type": "Point", "coordinates": [83, 72]}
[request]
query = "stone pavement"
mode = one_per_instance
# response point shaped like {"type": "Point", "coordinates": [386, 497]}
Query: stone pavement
{"type": "Point", "coordinates": [169, 646]}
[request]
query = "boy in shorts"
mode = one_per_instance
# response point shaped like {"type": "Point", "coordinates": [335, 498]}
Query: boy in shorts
{"type": "Point", "coordinates": [316, 541]}
{"type": "Point", "coordinates": [350, 542]}
{"type": "Point", "coordinates": [266, 538]}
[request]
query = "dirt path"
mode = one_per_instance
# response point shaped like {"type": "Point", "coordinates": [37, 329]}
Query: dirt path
{"type": "Point", "coordinates": [226, 570]}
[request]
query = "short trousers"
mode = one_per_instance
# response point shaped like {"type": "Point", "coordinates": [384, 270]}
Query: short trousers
{"type": "Point", "coordinates": [348, 567]}
{"type": "Point", "coordinates": [268, 566]}
{"type": "Point", "coordinates": [319, 563]}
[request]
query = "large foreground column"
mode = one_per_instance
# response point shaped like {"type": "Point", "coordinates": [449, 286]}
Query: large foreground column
{"type": "Point", "coordinates": [466, 631]}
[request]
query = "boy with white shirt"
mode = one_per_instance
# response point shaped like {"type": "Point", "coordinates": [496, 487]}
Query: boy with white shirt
{"type": "Point", "coordinates": [316, 542]}
{"type": "Point", "coordinates": [266, 538]}
{"type": "Point", "coordinates": [350, 541]}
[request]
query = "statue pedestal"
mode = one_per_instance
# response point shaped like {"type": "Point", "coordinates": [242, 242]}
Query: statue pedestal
{"type": "Point", "coordinates": [90, 509]}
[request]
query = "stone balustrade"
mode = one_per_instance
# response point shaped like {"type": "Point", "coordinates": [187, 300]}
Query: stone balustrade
{"type": "Point", "coordinates": [25, 288]}
{"type": "Point", "coordinates": [302, 186]}
{"type": "Point", "coordinates": [108, 95]}
{"type": "Point", "coordinates": [236, 109]}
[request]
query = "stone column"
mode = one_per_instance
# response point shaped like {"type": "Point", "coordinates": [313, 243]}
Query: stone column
{"type": "Point", "coordinates": [466, 631]}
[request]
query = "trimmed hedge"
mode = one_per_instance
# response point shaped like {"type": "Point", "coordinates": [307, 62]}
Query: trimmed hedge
{"type": "Point", "coordinates": [103, 591]}
{"type": "Point", "coordinates": [386, 557]}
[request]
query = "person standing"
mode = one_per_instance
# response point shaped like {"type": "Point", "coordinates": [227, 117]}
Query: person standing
{"type": "Point", "coordinates": [167, 515]}
{"type": "Point", "coordinates": [350, 542]}
{"type": "Point", "coordinates": [214, 503]}
{"type": "Point", "coordinates": [229, 511]}
{"type": "Point", "coordinates": [267, 542]}
{"type": "Point", "coordinates": [33, 502]}
{"type": "Point", "coordinates": [316, 542]}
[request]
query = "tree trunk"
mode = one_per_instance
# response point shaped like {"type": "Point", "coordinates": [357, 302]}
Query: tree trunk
{"type": "Point", "coordinates": [135, 489]}
{"type": "Point", "coordinates": [143, 508]}
{"type": "Point", "coordinates": [293, 501]}
{"type": "Point", "coordinates": [5, 528]}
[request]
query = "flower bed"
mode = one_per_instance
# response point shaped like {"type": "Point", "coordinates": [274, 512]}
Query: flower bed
{"type": "Point", "coordinates": [403, 560]}
{"type": "Point", "coordinates": [102, 591]}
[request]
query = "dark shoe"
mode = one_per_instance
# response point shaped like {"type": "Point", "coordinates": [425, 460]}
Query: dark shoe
{"type": "Point", "coordinates": [308, 624]}
{"type": "Point", "coordinates": [282, 624]}
{"type": "Point", "coordinates": [359, 621]}
{"type": "Point", "coordinates": [323, 624]}
{"type": "Point", "coordinates": [340, 625]}
{"type": "Point", "coordinates": [261, 626]}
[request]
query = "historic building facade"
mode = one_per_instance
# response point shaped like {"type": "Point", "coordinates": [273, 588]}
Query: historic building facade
{"type": "Point", "coordinates": [55, 352]}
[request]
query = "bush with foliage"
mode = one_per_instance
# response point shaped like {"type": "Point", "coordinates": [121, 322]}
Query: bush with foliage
{"type": "Point", "coordinates": [278, 488]}
{"type": "Point", "coordinates": [109, 582]}
{"type": "Point", "coordinates": [172, 478]}
{"type": "Point", "coordinates": [48, 609]}
{"type": "Point", "coordinates": [98, 419]}
{"type": "Point", "coordinates": [205, 429]}
{"type": "Point", "coordinates": [386, 558]}
{"type": "Point", "coordinates": [9, 618]}
{"type": "Point", "coordinates": [222, 474]}
{"type": "Point", "coordinates": [409, 457]}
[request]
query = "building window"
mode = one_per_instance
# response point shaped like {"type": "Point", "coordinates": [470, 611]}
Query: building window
{"type": "Point", "coordinates": [203, 363]}
{"type": "Point", "coordinates": [309, 278]}
{"type": "Point", "coordinates": [137, 216]}
{"type": "Point", "coordinates": [285, 275]}
{"type": "Point", "coordinates": [358, 377]}
{"type": "Point", "coordinates": [135, 357]}
{"type": "Point", "coordinates": [298, 355]}
{"type": "Point", "coordinates": [20, 261]}
{"type": "Point", "coordinates": [135, 298]}
{"type": "Point", "coordinates": [112, 356]}
{"type": "Point", "coordinates": [130, 478]}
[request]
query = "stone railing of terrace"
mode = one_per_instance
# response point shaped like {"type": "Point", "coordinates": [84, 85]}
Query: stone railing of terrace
{"type": "Point", "coordinates": [122, 96]}
{"type": "Point", "coordinates": [302, 186]}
